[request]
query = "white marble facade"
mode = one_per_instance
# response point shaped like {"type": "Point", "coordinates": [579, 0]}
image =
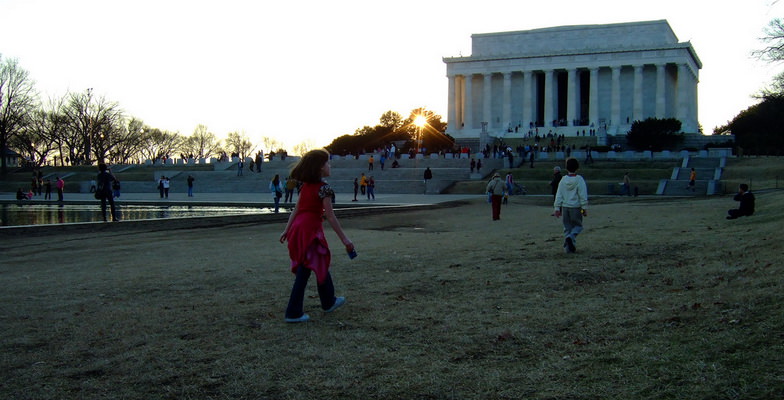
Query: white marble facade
{"type": "Point", "coordinates": [571, 79]}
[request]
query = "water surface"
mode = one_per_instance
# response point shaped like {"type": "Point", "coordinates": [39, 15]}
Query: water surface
{"type": "Point", "coordinates": [41, 214]}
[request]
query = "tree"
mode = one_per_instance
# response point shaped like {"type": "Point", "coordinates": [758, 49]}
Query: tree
{"type": "Point", "coordinates": [303, 147]}
{"type": "Point", "coordinates": [774, 40]}
{"type": "Point", "coordinates": [17, 99]}
{"type": "Point", "coordinates": [432, 133]}
{"type": "Point", "coordinates": [269, 144]}
{"type": "Point", "coordinates": [158, 144]}
{"type": "Point", "coordinates": [56, 127]}
{"type": "Point", "coordinates": [239, 144]}
{"type": "Point", "coordinates": [93, 122]}
{"type": "Point", "coordinates": [34, 140]}
{"type": "Point", "coordinates": [758, 129]}
{"type": "Point", "coordinates": [128, 142]}
{"type": "Point", "coordinates": [655, 134]}
{"type": "Point", "coordinates": [391, 120]}
{"type": "Point", "coordinates": [202, 143]}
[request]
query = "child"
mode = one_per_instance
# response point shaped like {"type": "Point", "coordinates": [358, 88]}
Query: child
{"type": "Point", "coordinates": [307, 245]}
{"type": "Point", "coordinates": [571, 198]}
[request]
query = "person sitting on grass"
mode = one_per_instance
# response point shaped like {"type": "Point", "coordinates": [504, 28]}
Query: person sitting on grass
{"type": "Point", "coordinates": [746, 199]}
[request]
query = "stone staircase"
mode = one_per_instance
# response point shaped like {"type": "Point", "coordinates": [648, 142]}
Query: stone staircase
{"type": "Point", "coordinates": [406, 179]}
{"type": "Point", "coordinates": [708, 181]}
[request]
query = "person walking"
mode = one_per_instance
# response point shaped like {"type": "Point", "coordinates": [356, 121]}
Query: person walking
{"type": "Point", "coordinates": [291, 184]}
{"type": "Point", "coordinates": [103, 190]}
{"type": "Point", "coordinates": [48, 187]}
{"type": "Point", "coordinates": [115, 187]}
{"type": "Point", "coordinates": [356, 189]}
{"type": "Point", "coordinates": [166, 186]}
{"type": "Point", "coordinates": [370, 163]}
{"type": "Point", "coordinates": [495, 188]}
{"type": "Point", "coordinates": [160, 185]}
{"type": "Point", "coordinates": [363, 183]}
{"type": "Point", "coordinates": [60, 184]}
{"type": "Point", "coordinates": [304, 232]}
{"type": "Point", "coordinates": [276, 188]}
{"type": "Point", "coordinates": [556, 179]}
{"type": "Point", "coordinates": [190, 185]}
{"type": "Point", "coordinates": [570, 202]}
{"type": "Point", "coordinates": [371, 189]}
{"type": "Point", "coordinates": [692, 181]}
{"type": "Point", "coordinates": [240, 166]}
{"type": "Point", "coordinates": [626, 185]}
{"type": "Point", "coordinates": [427, 177]}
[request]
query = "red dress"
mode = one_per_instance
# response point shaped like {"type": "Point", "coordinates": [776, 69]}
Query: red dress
{"type": "Point", "coordinates": [307, 244]}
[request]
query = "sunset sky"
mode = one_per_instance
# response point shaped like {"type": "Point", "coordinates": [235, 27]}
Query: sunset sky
{"type": "Point", "coordinates": [315, 70]}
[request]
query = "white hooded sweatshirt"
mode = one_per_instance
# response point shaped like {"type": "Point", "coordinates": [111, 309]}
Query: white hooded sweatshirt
{"type": "Point", "coordinates": [572, 192]}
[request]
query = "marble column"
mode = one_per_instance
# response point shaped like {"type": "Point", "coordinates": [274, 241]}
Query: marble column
{"type": "Point", "coordinates": [527, 100]}
{"type": "Point", "coordinates": [637, 110]}
{"type": "Point", "coordinates": [571, 97]}
{"type": "Point", "coordinates": [452, 109]}
{"type": "Point", "coordinates": [507, 113]}
{"type": "Point", "coordinates": [468, 102]}
{"type": "Point", "coordinates": [593, 98]}
{"type": "Point", "coordinates": [615, 105]}
{"type": "Point", "coordinates": [661, 101]}
{"type": "Point", "coordinates": [683, 93]}
{"type": "Point", "coordinates": [548, 99]}
{"type": "Point", "coordinates": [487, 98]}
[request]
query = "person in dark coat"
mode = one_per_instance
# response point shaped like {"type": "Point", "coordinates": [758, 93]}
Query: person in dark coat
{"type": "Point", "coordinates": [104, 182]}
{"type": "Point", "coordinates": [556, 180]}
{"type": "Point", "coordinates": [746, 199]}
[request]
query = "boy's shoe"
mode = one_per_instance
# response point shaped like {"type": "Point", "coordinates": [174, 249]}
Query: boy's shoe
{"type": "Point", "coordinates": [570, 245]}
{"type": "Point", "coordinates": [303, 318]}
{"type": "Point", "coordinates": [339, 301]}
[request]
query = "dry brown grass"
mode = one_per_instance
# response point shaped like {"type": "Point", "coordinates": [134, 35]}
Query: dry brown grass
{"type": "Point", "coordinates": [664, 299]}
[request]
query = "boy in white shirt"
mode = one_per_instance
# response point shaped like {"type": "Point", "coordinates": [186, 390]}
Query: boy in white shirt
{"type": "Point", "coordinates": [570, 201]}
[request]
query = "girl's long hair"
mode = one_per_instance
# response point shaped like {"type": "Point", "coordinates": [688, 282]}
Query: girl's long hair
{"type": "Point", "coordinates": [308, 169]}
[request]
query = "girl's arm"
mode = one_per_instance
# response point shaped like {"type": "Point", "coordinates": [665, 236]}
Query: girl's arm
{"type": "Point", "coordinates": [329, 213]}
{"type": "Point", "coordinates": [283, 236]}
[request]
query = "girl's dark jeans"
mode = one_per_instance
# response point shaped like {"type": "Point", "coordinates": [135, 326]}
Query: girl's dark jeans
{"type": "Point", "coordinates": [326, 293]}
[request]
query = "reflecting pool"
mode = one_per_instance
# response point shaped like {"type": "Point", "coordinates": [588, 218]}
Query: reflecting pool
{"type": "Point", "coordinates": [40, 214]}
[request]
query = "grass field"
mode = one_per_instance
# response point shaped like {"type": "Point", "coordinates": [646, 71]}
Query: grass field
{"type": "Point", "coordinates": [665, 299]}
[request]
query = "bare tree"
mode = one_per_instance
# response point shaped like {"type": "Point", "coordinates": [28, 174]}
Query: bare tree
{"type": "Point", "coordinates": [17, 99]}
{"type": "Point", "coordinates": [35, 140]}
{"type": "Point", "coordinates": [202, 143]}
{"type": "Point", "coordinates": [93, 122]}
{"type": "Point", "coordinates": [303, 147]}
{"type": "Point", "coordinates": [774, 40]}
{"type": "Point", "coordinates": [127, 142]}
{"type": "Point", "coordinates": [158, 144]}
{"type": "Point", "coordinates": [270, 144]}
{"type": "Point", "coordinates": [239, 144]}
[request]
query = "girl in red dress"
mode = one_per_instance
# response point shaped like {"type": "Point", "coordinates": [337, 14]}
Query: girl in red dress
{"type": "Point", "coordinates": [307, 245]}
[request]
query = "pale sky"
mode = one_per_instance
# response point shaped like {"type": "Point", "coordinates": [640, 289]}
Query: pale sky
{"type": "Point", "coordinates": [315, 69]}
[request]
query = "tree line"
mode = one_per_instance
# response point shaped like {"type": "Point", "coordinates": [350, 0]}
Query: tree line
{"type": "Point", "coordinates": [422, 131]}
{"type": "Point", "coordinates": [759, 129]}
{"type": "Point", "coordinates": [81, 128]}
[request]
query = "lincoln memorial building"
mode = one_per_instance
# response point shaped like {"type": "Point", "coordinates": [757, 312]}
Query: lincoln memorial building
{"type": "Point", "coordinates": [568, 80]}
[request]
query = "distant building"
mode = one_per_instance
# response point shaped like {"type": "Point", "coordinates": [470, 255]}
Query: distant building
{"type": "Point", "coordinates": [11, 157]}
{"type": "Point", "coordinates": [571, 79]}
